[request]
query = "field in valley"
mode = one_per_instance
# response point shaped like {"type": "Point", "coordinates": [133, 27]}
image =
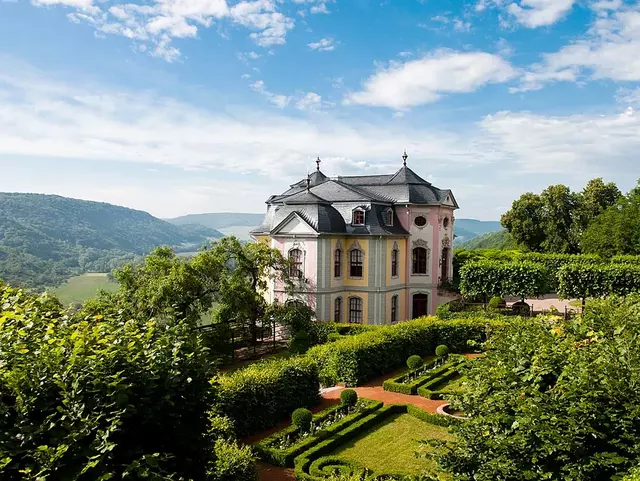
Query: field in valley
{"type": "Point", "coordinates": [81, 288]}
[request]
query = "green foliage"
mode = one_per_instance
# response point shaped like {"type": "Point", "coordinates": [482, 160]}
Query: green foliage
{"type": "Point", "coordinates": [554, 221]}
{"type": "Point", "coordinates": [262, 394]}
{"type": "Point", "coordinates": [269, 450]}
{"type": "Point", "coordinates": [46, 239]}
{"type": "Point", "coordinates": [501, 240]}
{"type": "Point", "coordinates": [497, 302]}
{"type": "Point", "coordinates": [414, 362]}
{"type": "Point", "coordinates": [431, 389]}
{"type": "Point", "coordinates": [554, 402]}
{"type": "Point", "coordinates": [362, 357]}
{"type": "Point", "coordinates": [583, 281]}
{"type": "Point", "coordinates": [233, 462]}
{"type": "Point", "coordinates": [96, 398]}
{"type": "Point", "coordinates": [615, 231]}
{"type": "Point", "coordinates": [493, 278]}
{"type": "Point", "coordinates": [442, 351]}
{"type": "Point", "coordinates": [301, 419]}
{"type": "Point", "coordinates": [348, 398]}
{"type": "Point", "coordinates": [408, 384]}
{"type": "Point", "coordinates": [626, 259]}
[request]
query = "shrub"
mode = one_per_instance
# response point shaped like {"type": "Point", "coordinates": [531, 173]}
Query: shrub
{"type": "Point", "coordinates": [414, 362]}
{"type": "Point", "coordinates": [262, 394]}
{"type": "Point", "coordinates": [442, 351]}
{"type": "Point", "coordinates": [349, 397]}
{"type": "Point", "coordinates": [97, 396]}
{"type": "Point", "coordinates": [359, 358]}
{"type": "Point", "coordinates": [497, 302]}
{"type": "Point", "coordinates": [521, 308]}
{"type": "Point", "coordinates": [301, 418]}
{"type": "Point", "coordinates": [494, 278]}
{"type": "Point", "coordinates": [233, 463]}
{"type": "Point", "coordinates": [443, 311]}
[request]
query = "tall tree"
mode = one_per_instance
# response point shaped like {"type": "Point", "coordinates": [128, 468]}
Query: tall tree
{"type": "Point", "coordinates": [525, 221]}
{"type": "Point", "coordinates": [559, 207]}
{"type": "Point", "coordinates": [596, 197]}
{"type": "Point", "coordinates": [615, 231]}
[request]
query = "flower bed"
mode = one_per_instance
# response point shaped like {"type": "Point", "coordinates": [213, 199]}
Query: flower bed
{"type": "Point", "coordinates": [410, 382]}
{"type": "Point", "coordinates": [316, 463]}
{"type": "Point", "coordinates": [282, 447]}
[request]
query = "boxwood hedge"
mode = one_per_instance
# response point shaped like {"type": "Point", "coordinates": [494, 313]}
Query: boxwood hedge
{"type": "Point", "coordinates": [431, 389]}
{"type": "Point", "coordinates": [259, 396]}
{"type": "Point", "coordinates": [398, 385]}
{"type": "Point", "coordinates": [285, 457]}
{"type": "Point", "coordinates": [362, 357]}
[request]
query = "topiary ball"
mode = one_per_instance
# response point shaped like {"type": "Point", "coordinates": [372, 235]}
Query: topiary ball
{"type": "Point", "coordinates": [414, 362]}
{"type": "Point", "coordinates": [301, 418]}
{"type": "Point", "coordinates": [348, 398]}
{"type": "Point", "coordinates": [442, 351]}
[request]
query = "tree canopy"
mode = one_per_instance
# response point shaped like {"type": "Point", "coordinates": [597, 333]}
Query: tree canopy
{"type": "Point", "coordinates": [555, 220]}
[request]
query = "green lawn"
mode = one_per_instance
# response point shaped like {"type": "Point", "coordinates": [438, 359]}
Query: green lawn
{"type": "Point", "coordinates": [81, 288]}
{"type": "Point", "coordinates": [391, 446]}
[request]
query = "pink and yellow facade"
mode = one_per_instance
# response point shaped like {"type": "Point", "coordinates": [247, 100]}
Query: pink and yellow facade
{"type": "Point", "coordinates": [365, 249]}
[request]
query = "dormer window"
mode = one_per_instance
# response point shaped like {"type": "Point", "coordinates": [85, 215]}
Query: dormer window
{"type": "Point", "coordinates": [358, 217]}
{"type": "Point", "coordinates": [388, 217]}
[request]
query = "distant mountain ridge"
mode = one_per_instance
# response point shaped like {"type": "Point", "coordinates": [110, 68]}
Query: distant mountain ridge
{"type": "Point", "coordinates": [239, 224]}
{"type": "Point", "coordinates": [45, 239]}
{"type": "Point", "coordinates": [501, 240]}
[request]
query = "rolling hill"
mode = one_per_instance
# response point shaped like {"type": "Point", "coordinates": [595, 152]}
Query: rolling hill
{"type": "Point", "coordinates": [493, 240]}
{"type": "Point", "coordinates": [45, 239]}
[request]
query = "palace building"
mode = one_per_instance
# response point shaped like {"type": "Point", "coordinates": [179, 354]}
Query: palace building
{"type": "Point", "coordinates": [364, 249]}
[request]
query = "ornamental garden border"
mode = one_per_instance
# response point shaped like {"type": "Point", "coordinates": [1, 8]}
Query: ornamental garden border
{"type": "Point", "coordinates": [435, 388]}
{"type": "Point", "coordinates": [285, 456]}
{"type": "Point", "coordinates": [316, 463]}
{"type": "Point", "coordinates": [398, 384]}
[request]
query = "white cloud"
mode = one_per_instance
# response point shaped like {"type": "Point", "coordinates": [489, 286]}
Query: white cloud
{"type": "Point", "coordinates": [155, 25]}
{"type": "Point", "coordinates": [311, 101]}
{"type": "Point", "coordinates": [323, 45]}
{"type": "Point", "coordinates": [540, 13]}
{"type": "Point", "coordinates": [320, 8]}
{"type": "Point", "coordinates": [316, 6]}
{"type": "Point", "coordinates": [610, 50]}
{"type": "Point", "coordinates": [278, 100]}
{"type": "Point", "coordinates": [629, 97]}
{"type": "Point", "coordinates": [423, 81]}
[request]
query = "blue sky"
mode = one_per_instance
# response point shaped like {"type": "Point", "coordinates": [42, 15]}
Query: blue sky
{"type": "Point", "coordinates": [185, 106]}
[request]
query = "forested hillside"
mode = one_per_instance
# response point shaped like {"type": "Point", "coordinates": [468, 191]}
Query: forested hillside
{"type": "Point", "coordinates": [493, 240]}
{"type": "Point", "coordinates": [44, 239]}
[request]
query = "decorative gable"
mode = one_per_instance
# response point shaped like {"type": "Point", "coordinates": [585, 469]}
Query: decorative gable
{"type": "Point", "coordinates": [294, 224]}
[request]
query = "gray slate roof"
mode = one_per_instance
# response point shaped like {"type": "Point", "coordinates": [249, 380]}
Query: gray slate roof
{"type": "Point", "coordinates": [325, 203]}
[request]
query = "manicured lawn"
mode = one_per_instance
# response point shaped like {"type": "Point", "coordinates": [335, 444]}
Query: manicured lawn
{"type": "Point", "coordinates": [81, 288]}
{"type": "Point", "coordinates": [391, 446]}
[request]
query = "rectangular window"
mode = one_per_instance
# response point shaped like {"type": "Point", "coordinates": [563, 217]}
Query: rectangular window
{"type": "Point", "coordinates": [355, 267]}
{"type": "Point", "coordinates": [337, 263]}
{"type": "Point", "coordinates": [337, 313]}
{"type": "Point", "coordinates": [358, 217]}
{"type": "Point", "coordinates": [355, 310]}
{"type": "Point", "coordinates": [394, 263]}
{"type": "Point", "coordinates": [394, 309]}
{"type": "Point", "coordinates": [295, 263]}
{"type": "Point", "coordinates": [419, 260]}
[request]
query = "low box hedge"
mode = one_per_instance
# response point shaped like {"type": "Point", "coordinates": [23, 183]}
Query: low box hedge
{"type": "Point", "coordinates": [308, 466]}
{"type": "Point", "coordinates": [396, 384]}
{"type": "Point", "coordinates": [359, 358]}
{"type": "Point", "coordinates": [285, 457]}
{"type": "Point", "coordinates": [259, 396]}
{"type": "Point", "coordinates": [430, 389]}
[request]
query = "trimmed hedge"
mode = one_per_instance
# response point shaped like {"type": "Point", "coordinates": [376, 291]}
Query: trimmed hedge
{"type": "Point", "coordinates": [285, 457]}
{"type": "Point", "coordinates": [582, 281]}
{"type": "Point", "coordinates": [309, 465]}
{"type": "Point", "coordinates": [362, 357]}
{"type": "Point", "coordinates": [257, 397]}
{"type": "Point", "coordinates": [429, 389]}
{"type": "Point", "coordinates": [396, 385]}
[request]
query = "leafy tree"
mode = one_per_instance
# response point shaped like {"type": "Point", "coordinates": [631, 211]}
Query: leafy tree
{"type": "Point", "coordinates": [525, 221]}
{"type": "Point", "coordinates": [615, 231]}
{"type": "Point", "coordinates": [553, 402]}
{"type": "Point", "coordinates": [560, 205]}
{"type": "Point", "coordinates": [596, 197]}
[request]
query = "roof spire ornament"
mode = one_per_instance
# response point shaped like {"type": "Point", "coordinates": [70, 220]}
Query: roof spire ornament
{"type": "Point", "coordinates": [404, 158]}
{"type": "Point", "coordinates": [318, 164]}
{"type": "Point", "coordinates": [308, 181]}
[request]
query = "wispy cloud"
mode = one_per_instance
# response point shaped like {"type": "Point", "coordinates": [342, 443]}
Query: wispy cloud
{"type": "Point", "coordinates": [323, 45]}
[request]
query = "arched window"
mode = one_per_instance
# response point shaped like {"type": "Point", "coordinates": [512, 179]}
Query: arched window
{"type": "Point", "coordinates": [355, 310]}
{"type": "Point", "coordinates": [295, 263]}
{"type": "Point", "coordinates": [394, 309]}
{"type": "Point", "coordinates": [358, 217]}
{"type": "Point", "coordinates": [337, 263]}
{"type": "Point", "coordinates": [355, 263]}
{"type": "Point", "coordinates": [419, 260]}
{"type": "Point", "coordinates": [394, 262]}
{"type": "Point", "coordinates": [388, 217]}
{"type": "Point", "coordinates": [337, 309]}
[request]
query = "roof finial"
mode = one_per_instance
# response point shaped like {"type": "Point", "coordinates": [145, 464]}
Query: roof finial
{"type": "Point", "coordinates": [404, 158]}
{"type": "Point", "coordinates": [308, 181]}
{"type": "Point", "coordinates": [318, 164]}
